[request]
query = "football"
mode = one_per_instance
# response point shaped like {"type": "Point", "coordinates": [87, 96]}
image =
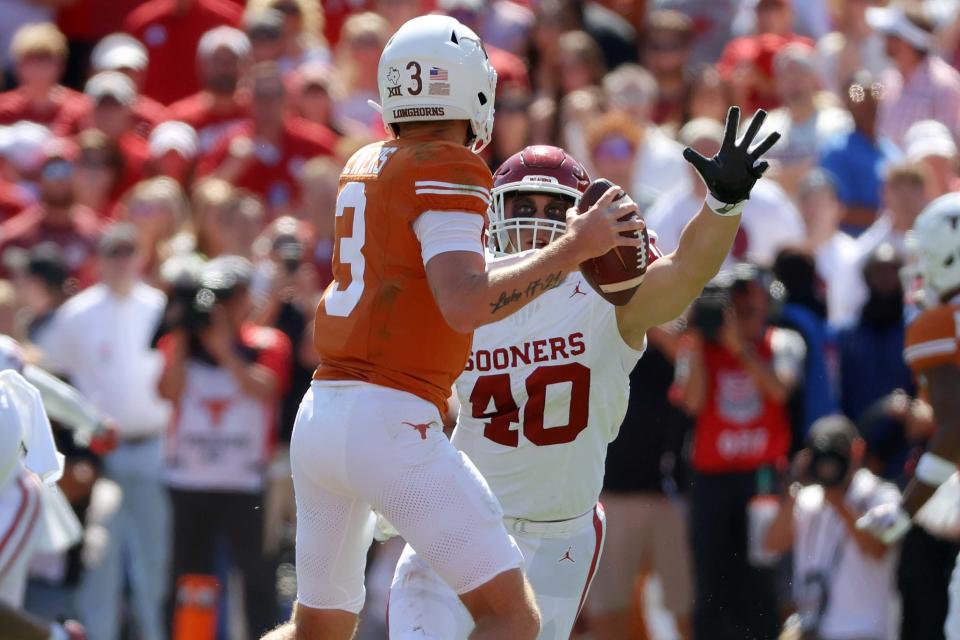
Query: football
{"type": "Point", "coordinates": [617, 274]}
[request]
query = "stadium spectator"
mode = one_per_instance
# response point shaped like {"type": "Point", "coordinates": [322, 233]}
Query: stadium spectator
{"type": "Point", "coordinates": [875, 341]}
{"type": "Point", "coordinates": [713, 23]}
{"type": "Point", "coordinates": [804, 123]}
{"type": "Point", "coordinates": [579, 62]}
{"type": "Point", "coordinates": [226, 377]}
{"type": "Point", "coordinates": [101, 339]}
{"type": "Point", "coordinates": [312, 91]}
{"type": "Point", "coordinates": [735, 379]}
{"type": "Point", "coordinates": [803, 308]}
{"type": "Point", "coordinates": [858, 160]}
{"type": "Point", "coordinates": [173, 148]}
{"type": "Point", "coordinates": [361, 41]}
{"type": "Point", "coordinates": [707, 96]}
{"type": "Point", "coordinates": [667, 46]}
{"type": "Point", "coordinates": [98, 172]}
{"type": "Point", "coordinates": [632, 91]}
{"type": "Point", "coordinates": [852, 46]}
{"type": "Point", "coordinates": [57, 216]}
{"type": "Point", "coordinates": [171, 31]}
{"type": "Point", "coordinates": [838, 258]}
{"type": "Point", "coordinates": [86, 24]}
{"type": "Point", "coordinates": [511, 128]}
{"type": "Point", "coordinates": [643, 487]}
{"type": "Point", "coordinates": [124, 53]}
{"type": "Point", "coordinates": [301, 29]}
{"type": "Point", "coordinates": [158, 210]}
{"type": "Point", "coordinates": [114, 95]}
{"type": "Point", "coordinates": [770, 220]}
{"type": "Point", "coordinates": [319, 186]}
{"type": "Point", "coordinates": [39, 52]}
{"type": "Point", "coordinates": [747, 62]}
{"type": "Point", "coordinates": [499, 23]}
{"type": "Point", "coordinates": [264, 28]}
{"type": "Point", "coordinates": [43, 283]}
{"type": "Point", "coordinates": [221, 104]}
{"type": "Point", "coordinates": [905, 196]}
{"type": "Point", "coordinates": [210, 200]}
{"type": "Point", "coordinates": [919, 84]}
{"type": "Point", "coordinates": [267, 152]}
{"type": "Point", "coordinates": [930, 144]}
{"type": "Point", "coordinates": [24, 151]}
{"type": "Point", "coordinates": [843, 577]}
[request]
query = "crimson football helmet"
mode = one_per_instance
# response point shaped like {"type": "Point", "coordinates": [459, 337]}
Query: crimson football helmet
{"type": "Point", "coordinates": [535, 169]}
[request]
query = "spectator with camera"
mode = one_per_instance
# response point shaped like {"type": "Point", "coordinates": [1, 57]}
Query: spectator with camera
{"type": "Point", "coordinates": [226, 377]}
{"type": "Point", "coordinates": [735, 373]}
{"type": "Point", "coordinates": [843, 577]}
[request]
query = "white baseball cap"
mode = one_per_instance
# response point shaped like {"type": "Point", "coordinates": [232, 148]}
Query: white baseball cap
{"type": "Point", "coordinates": [233, 39]}
{"type": "Point", "coordinates": [173, 135]}
{"type": "Point", "coordinates": [119, 51]}
{"type": "Point", "coordinates": [111, 84]}
{"type": "Point", "coordinates": [894, 22]}
{"type": "Point", "coordinates": [929, 138]}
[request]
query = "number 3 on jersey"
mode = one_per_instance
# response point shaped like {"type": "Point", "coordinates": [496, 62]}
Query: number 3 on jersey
{"type": "Point", "coordinates": [496, 388]}
{"type": "Point", "coordinates": [348, 262]}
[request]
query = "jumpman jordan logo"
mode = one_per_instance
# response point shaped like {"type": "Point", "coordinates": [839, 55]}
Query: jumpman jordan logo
{"type": "Point", "coordinates": [567, 556]}
{"type": "Point", "coordinates": [577, 290]}
{"type": "Point", "coordinates": [420, 428]}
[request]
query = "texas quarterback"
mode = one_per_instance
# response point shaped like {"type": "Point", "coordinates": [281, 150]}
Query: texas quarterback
{"type": "Point", "coordinates": [545, 390]}
{"type": "Point", "coordinates": [393, 331]}
{"type": "Point", "coordinates": [932, 350]}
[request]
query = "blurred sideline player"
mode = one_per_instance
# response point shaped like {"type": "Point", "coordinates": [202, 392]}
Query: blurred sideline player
{"type": "Point", "coordinates": [932, 350]}
{"type": "Point", "coordinates": [546, 389]}
{"type": "Point", "coordinates": [394, 330]}
{"type": "Point", "coordinates": [34, 515]}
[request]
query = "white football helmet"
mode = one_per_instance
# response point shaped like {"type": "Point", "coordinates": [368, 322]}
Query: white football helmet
{"type": "Point", "coordinates": [934, 245]}
{"type": "Point", "coordinates": [434, 68]}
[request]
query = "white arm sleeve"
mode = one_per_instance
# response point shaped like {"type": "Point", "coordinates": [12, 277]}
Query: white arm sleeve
{"type": "Point", "coordinates": [443, 231]}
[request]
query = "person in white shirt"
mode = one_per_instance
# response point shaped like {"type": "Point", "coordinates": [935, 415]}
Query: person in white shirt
{"type": "Point", "coordinates": [770, 221]}
{"type": "Point", "coordinates": [101, 340]}
{"type": "Point", "coordinates": [843, 578]}
{"type": "Point", "coordinates": [905, 195]}
{"type": "Point", "coordinates": [836, 254]}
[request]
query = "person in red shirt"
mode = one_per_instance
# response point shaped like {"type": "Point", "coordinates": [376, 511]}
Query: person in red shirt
{"type": "Point", "coordinates": [39, 52]}
{"type": "Point", "coordinates": [267, 153]}
{"type": "Point", "coordinates": [222, 57]}
{"type": "Point", "coordinates": [735, 374]}
{"type": "Point", "coordinates": [57, 217]}
{"type": "Point", "coordinates": [173, 152]}
{"type": "Point", "coordinates": [747, 62]}
{"type": "Point", "coordinates": [171, 30]}
{"type": "Point", "coordinates": [124, 53]}
{"type": "Point", "coordinates": [113, 96]}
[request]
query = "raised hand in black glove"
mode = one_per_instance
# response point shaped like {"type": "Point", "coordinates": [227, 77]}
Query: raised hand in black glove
{"type": "Point", "coordinates": [731, 174]}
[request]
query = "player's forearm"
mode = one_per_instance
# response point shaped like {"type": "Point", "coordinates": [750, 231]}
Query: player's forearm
{"type": "Point", "coordinates": [63, 403]}
{"type": "Point", "coordinates": [255, 380]}
{"type": "Point", "coordinates": [486, 296]}
{"type": "Point", "coordinates": [867, 543]}
{"type": "Point", "coordinates": [779, 537]}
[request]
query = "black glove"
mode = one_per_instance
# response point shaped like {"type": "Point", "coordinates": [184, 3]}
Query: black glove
{"type": "Point", "coordinates": [731, 174]}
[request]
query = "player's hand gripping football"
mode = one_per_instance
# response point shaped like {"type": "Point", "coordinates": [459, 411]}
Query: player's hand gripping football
{"type": "Point", "coordinates": [599, 229]}
{"type": "Point", "coordinates": [732, 172]}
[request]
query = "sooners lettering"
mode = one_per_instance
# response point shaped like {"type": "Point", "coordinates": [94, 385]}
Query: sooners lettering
{"type": "Point", "coordinates": [534, 352]}
{"type": "Point", "coordinates": [742, 443]}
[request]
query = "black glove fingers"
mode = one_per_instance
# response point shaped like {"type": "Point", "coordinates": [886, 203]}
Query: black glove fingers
{"type": "Point", "coordinates": [758, 169]}
{"type": "Point", "coordinates": [699, 163]}
{"type": "Point", "coordinates": [733, 124]}
{"type": "Point", "coordinates": [764, 146]}
{"type": "Point", "coordinates": [754, 128]}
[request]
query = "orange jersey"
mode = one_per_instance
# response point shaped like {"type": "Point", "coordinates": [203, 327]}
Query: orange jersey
{"type": "Point", "coordinates": [378, 321]}
{"type": "Point", "coordinates": [933, 339]}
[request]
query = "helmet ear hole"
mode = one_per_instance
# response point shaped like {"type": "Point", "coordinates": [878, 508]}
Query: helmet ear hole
{"type": "Point", "coordinates": [453, 38]}
{"type": "Point", "coordinates": [949, 261]}
{"type": "Point", "coordinates": [482, 98]}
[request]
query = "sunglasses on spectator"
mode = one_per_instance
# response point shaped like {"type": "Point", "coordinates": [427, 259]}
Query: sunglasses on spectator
{"type": "Point", "coordinates": [263, 33]}
{"type": "Point", "coordinates": [287, 8]}
{"type": "Point", "coordinates": [119, 251]}
{"type": "Point", "coordinates": [366, 40]}
{"type": "Point", "coordinates": [512, 106]}
{"type": "Point", "coordinates": [615, 148]}
{"type": "Point", "coordinates": [57, 170]}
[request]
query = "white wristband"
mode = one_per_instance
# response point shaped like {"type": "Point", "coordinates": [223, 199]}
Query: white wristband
{"type": "Point", "coordinates": [724, 208]}
{"type": "Point", "coordinates": [933, 471]}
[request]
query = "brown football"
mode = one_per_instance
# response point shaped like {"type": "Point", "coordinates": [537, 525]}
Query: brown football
{"type": "Point", "coordinates": [617, 274]}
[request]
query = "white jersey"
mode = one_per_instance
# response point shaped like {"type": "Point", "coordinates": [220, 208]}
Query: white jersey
{"type": "Point", "coordinates": [542, 395]}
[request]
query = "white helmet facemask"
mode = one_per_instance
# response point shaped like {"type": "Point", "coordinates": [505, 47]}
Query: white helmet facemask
{"type": "Point", "coordinates": [934, 248]}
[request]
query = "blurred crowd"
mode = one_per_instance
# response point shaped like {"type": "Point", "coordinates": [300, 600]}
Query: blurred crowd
{"type": "Point", "coordinates": [168, 182]}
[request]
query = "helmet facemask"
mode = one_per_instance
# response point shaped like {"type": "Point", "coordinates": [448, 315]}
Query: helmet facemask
{"type": "Point", "coordinates": [507, 234]}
